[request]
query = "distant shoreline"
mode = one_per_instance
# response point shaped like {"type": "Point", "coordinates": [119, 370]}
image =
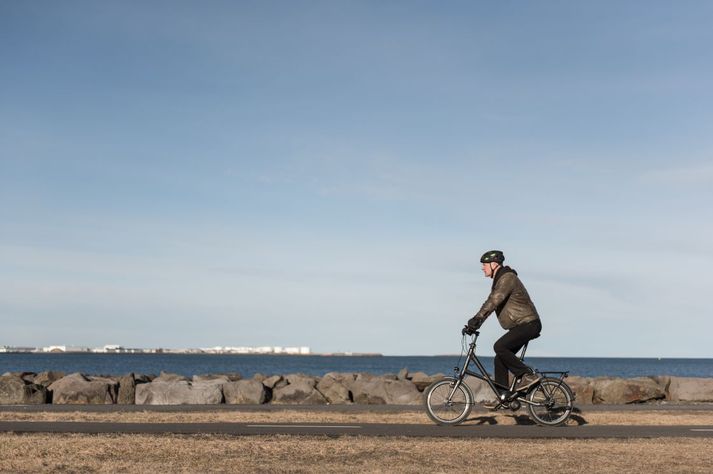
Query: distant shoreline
{"type": "Point", "coordinates": [163, 353]}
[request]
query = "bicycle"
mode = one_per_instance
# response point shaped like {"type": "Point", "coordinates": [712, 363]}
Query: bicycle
{"type": "Point", "coordinates": [450, 400]}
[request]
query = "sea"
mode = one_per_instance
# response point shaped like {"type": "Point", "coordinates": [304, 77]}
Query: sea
{"type": "Point", "coordinates": [318, 365]}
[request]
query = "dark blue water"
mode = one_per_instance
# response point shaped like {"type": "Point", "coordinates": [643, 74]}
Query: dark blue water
{"type": "Point", "coordinates": [248, 365]}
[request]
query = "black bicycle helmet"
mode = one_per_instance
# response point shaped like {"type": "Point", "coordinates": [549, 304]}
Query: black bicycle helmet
{"type": "Point", "coordinates": [495, 256]}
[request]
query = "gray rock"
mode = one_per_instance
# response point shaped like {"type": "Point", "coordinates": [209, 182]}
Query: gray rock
{"type": "Point", "coordinates": [333, 390]}
{"type": "Point", "coordinates": [389, 392]}
{"type": "Point", "coordinates": [102, 378]}
{"type": "Point", "coordinates": [345, 378]}
{"type": "Point", "coordinates": [211, 378]}
{"type": "Point", "coordinates": [481, 390]}
{"type": "Point", "coordinates": [127, 390]}
{"type": "Point", "coordinates": [690, 389]}
{"type": "Point", "coordinates": [365, 376]}
{"type": "Point", "coordinates": [78, 389]}
{"type": "Point", "coordinates": [301, 378]}
{"type": "Point", "coordinates": [259, 377]}
{"type": "Point", "coordinates": [617, 390]}
{"type": "Point", "coordinates": [421, 380]}
{"type": "Point", "coordinates": [300, 392]}
{"type": "Point", "coordinates": [14, 390]}
{"type": "Point", "coordinates": [219, 378]}
{"type": "Point", "coordinates": [28, 377]}
{"type": "Point", "coordinates": [245, 392]}
{"type": "Point", "coordinates": [271, 382]}
{"type": "Point", "coordinates": [178, 393]}
{"type": "Point", "coordinates": [583, 389]}
{"type": "Point", "coordinates": [169, 377]}
{"type": "Point", "coordinates": [143, 378]}
{"type": "Point", "coordinates": [48, 377]}
{"type": "Point", "coordinates": [403, 374]}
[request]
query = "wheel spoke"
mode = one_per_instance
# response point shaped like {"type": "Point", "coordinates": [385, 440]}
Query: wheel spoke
{"type": "Point", "coordinates": [446, 406]}
{"type": "Point", "coordinates": [552, 402]}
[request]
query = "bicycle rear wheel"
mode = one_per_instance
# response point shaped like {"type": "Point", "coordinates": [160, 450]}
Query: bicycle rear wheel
{"type": "Point", "coordinates": [446, 406]}
{"type": "Point", "coordinates": [551, 402]}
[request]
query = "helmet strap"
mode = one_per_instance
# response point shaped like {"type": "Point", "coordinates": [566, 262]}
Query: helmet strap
{"type": "Point", "coordinates": [492, 271]}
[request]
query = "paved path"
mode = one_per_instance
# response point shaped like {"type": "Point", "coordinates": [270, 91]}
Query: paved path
{"type": "Point", "coordinates": [363, 429]}
{"type": "Point", "coordinates": [322, 408]}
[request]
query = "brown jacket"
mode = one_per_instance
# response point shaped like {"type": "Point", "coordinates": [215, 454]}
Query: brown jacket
{"type": "Point", "coordinates": [510, 301]}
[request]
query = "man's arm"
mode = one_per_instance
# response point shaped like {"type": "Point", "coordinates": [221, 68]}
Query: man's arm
{"type": "Point", "coordinates": [501, 291]}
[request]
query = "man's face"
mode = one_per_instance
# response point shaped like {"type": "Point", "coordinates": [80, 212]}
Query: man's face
{"type": "Point", "coordinates": [489, 269]}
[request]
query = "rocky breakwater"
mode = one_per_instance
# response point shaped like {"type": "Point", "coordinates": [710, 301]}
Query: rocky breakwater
{"type": "Point", "coordinates": [336, 388]}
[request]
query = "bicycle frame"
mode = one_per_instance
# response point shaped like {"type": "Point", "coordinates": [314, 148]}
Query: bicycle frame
{"type": "Point", "coordinates": [510, 394]}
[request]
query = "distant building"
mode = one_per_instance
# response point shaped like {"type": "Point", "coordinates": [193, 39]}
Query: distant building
{"type": "Point", "coordinates": [119, 349]}
{"type": "Point", "coordinates": [54, 349]}
{"type": "Point", "coordinates": [64, 349]}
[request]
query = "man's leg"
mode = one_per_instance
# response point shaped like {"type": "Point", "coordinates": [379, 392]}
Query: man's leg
{"type": "Point", "coordinates": [501, 370]}
{"type": "Point", "coordinates": [506, 347]}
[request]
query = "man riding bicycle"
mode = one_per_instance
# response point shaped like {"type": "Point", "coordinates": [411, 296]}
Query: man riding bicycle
{"type": "Point", "coordinates": [516, 313]}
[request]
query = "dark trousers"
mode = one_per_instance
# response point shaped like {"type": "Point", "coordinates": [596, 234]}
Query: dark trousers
{"type": "Point", "coordinates": [506, 347]}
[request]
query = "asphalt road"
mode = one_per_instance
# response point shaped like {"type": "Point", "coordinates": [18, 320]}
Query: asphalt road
{"type": "Point", "coordinates": [476, 427]}
{"type": "Point", "coordinates": [363, 429]}
{"type": "Point", "coordinates": [111, 408]}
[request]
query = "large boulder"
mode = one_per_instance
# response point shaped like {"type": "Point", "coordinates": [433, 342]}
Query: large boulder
{"type": "Point", "coordinates": [78, 389]}
{"type": "Point", "coordinates": [481, 390]}
{"type": "Point", "coordinates": [178, 393]}
{"type": "Point", "coordinates": [169, 377]}
{"type": "Point", "coordinates": [621, 391]}
{"type": "Point", "coordinates": [127, 390]}
{"type": "Point", "coordinates": [422, 380]}
{"type": "Point", "coordinates": [48, 377]}
{"type": "Point", "coordinates": [143, 378]}
{"type": "Point", "coordinates": [14, 390]}
{"type": "Point", "coordinates": [690, 389]}
{"type": "Point", "coordinates": [28, 377]}
{"type": "Point", "coordinates": [301, 378]}
{"type": "Point", "coordinates": [360, 378]}
{"type": "Point", "coordinates": [345, 378]}
{"type": "Point", "coordinates": [583, 389]}
{"type": "Point", "coordinates": [217, 378]}
{"type": "Point", "coordinates": [301, 392]}
{"type": "Point", "coordinates": [333, 390]}
{"type": "Point", "coordinates": [103, 378]}
{"type": "Point", "coordinates": [211, 379]}
{"type": "Point", "coordinates": [385, 392]}
{"type": "Point", "coordinates": [271, 382]}
{"type": "Point", "coordinates": [249, 392]}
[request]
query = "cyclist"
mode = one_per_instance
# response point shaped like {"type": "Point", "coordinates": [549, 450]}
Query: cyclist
{"type": "Point", "coordinates": [516, 313]}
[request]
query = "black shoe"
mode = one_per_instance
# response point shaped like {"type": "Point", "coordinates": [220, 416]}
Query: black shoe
{"type": "Point", "coordinates": [527, 381]}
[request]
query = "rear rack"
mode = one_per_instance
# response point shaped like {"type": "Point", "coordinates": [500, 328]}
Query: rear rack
{"type": "Point", "coordinates": [562, 373]}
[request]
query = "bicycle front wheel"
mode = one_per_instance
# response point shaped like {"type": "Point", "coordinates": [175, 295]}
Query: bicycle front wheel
{"type": "Point", "coordinates": [550, 402]}
{"type": "Point", "coordinates": [446, 404]}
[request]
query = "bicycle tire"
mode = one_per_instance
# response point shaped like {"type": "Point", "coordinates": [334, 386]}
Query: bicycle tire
{"type": "Point", "coordinates": [552, 401]}
{"type": "Point", "coordinates": [448, 412]}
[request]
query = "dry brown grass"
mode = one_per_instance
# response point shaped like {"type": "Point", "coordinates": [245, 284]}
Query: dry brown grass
{"type": "Point", "coordinates": [204, 453]}
{"type": "Point", "coordinates": [659, 417]}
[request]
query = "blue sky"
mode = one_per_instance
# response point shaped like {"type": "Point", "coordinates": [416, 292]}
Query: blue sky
{"type": "Point", "coordinates": [191, 174]}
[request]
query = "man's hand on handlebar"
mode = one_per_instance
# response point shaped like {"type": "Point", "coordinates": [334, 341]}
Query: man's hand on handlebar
{"type": "Point", "coordinates": [472, 326]}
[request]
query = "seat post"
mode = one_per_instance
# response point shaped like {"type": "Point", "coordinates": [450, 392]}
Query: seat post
{"type": "Point", "coordinates": [524, 349]}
